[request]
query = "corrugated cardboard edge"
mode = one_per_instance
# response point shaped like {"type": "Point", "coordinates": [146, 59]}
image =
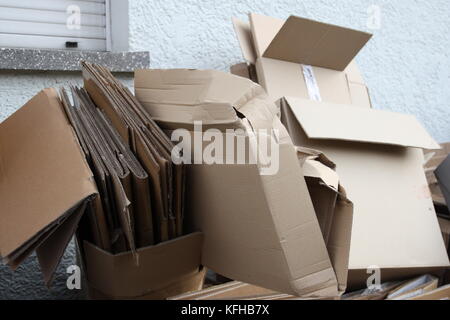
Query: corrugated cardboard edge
{"type": "Point", "coordinates": [117, 276]}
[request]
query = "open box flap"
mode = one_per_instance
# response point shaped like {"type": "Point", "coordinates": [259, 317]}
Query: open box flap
{"type": "Point", "coordinates": [118, 275]}
{"type": "Point", "coordinates": [184, 96]}
{"type": "Point", "coordinates": [43, 176]}
{"type": "Point", "coordinates": [340, 122]}
{"type": "Point", "coordinates": [306, 41]}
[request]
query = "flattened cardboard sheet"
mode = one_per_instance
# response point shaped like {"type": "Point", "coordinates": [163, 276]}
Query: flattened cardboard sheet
{"type": "Point", "coordinates": [327, 121]}
{"type": "Point", "coordinates": [44, 178]}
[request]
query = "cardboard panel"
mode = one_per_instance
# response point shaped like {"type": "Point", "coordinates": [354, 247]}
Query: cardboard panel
{"type": "Point", "coordinates": [264, 231]}
{"type": "Point", "coordinates": [314, 43]}
{"type": "Point", "coordinates": [384, 207]}
{"type": "Point", "coordinates": [119, 276]}
{"type": "Point", "coordinates": [43, 172]}
{"type": "Point", "coordinates": [245, 38]}
{"type": "Point", "coordinates": [347, 123]}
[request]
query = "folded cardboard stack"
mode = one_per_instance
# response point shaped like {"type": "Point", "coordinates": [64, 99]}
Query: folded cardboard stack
{"type": "Point", "coordinates": [101, 163]}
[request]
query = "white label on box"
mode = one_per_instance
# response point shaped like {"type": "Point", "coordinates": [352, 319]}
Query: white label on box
{"type": "Point", "coordinates": [311, 83]}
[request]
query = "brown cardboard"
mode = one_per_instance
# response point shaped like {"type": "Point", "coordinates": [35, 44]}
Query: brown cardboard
{"type": "Point", "coordinates": [234, 290]}
{"type": "Point", "coordinates": [244, 70]}
{"type": "Point", "coordinates": [148, 142]}
{"type": "Point", "coordinates": [414, 288]}
{"type": "Point", "coordinates": [281, 77]}
{"type": "Point", "coordinates": [383, 175]}
{"type": "Point", "coordinates": [322, 45]}
{"type": "Point", "coordinates": [164, 270]}
{"type": "Point", "coordinates": [44, 183]}
{"type": "Point", "coordinates": [264, 231]}
{"type": "Point", "coordinates": [442, 293]}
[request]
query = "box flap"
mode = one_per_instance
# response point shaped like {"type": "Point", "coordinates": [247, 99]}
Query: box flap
{"type": "Point", "coordinates": [245, 38]}
{"type": "Point", "coordinates": [118, 276]}
{"type": "Point", "coordinates": [306, 41]}
{"type": "Point", "coordinates": [341, 122]}
{"type": "Point", "coordinates": [43, 175]}
{"type": "Point", "coordinates": [183, 96]}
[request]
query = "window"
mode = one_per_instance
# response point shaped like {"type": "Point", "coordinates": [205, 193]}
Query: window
{"type": "Point", "coordinates": [93, 25]}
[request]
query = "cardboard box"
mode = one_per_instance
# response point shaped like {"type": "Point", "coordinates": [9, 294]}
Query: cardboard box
{"type": "Point", "coordinates": [442, 293]}
{"type": "Point", "coordinates": [320, 67]}
{"type": "Point", "coordinates": [46, 189]}
{"type": "Point", "coordinates": [164, 270]}
{"type": "Point", "coordinates": [380, 162]}
{"type": "Point", "coordinates": [263, 230]}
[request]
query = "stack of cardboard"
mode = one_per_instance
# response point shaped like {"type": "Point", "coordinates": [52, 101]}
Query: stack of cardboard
{"type": "Point", "coordinates": [325, 105]}
{"type": "Point", "coordinates": [131, 238]}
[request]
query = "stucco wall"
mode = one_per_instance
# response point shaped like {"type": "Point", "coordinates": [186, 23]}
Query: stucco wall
{"type": "Point", "coordinates": [406, 66]}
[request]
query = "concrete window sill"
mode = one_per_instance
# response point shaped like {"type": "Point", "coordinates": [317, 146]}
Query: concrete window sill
{"type": "Point", "coordinates": [67, 60]}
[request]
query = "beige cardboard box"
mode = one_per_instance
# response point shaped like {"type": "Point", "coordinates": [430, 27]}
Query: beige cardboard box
{"type": "Point", "coordinates": [260, 229]}
{"type": "Point", "coordinates": [319, 67]}
{"type": "Point", "coordinates": [164, 270]}
{"type": "Point", "coordinates": [380, 162]}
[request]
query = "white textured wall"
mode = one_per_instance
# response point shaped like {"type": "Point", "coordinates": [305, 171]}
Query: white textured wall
{"type": "Point", "coordinates": [406, 65]}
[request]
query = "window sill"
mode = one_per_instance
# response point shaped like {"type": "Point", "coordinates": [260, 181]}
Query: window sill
{"type": "Point", "coordinates": [67, 60]}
